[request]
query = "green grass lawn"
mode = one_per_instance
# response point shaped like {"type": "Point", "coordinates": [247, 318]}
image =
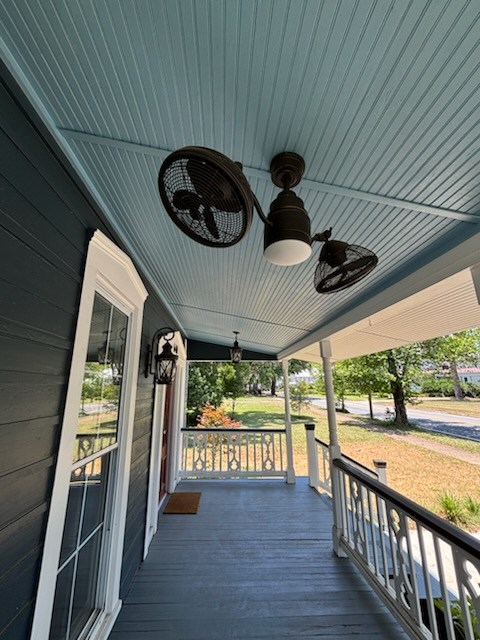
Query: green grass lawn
{"type": "Point", "coordinates": [421, 474]}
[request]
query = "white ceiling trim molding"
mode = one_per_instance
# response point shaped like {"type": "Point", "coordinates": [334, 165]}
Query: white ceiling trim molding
{"type": "Point", "coordinates": [463, 256]}
{"type": "Point", "coordinates": [320, 187]}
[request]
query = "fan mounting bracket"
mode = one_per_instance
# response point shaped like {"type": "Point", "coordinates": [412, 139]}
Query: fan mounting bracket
{"type": "Point", "coordinates": [287, 169]}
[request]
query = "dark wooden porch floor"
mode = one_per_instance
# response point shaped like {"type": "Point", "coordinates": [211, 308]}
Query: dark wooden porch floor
{"type": "Point", "coordinates": [255, 562]}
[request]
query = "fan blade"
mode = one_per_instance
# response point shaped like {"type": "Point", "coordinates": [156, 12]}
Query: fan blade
{"type": "Point", "coordinates": [199, 174]}
{"type": "Point", "coordinates": [211, 224]}
{"type": "Point", "coordinates": [357, 264]}
{"type": "Point", "coordinates": [213, 187]}
{"type": "Point", "coordinates": [334, 274]}
{"type": "Point", "coordinates": [345, 270]}
{"type": "Point", "coordinates": [184, 200]}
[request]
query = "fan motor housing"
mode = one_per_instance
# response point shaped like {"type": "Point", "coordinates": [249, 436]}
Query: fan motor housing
{"type": "Point", "coordinates": [289, 220]}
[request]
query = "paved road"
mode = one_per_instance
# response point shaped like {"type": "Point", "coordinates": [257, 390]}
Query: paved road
{"type": "Point", "coordinates": [460, 426]}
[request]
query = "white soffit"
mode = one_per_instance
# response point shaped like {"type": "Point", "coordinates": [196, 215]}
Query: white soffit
{"type": "Point", "coordinates": [446, 307]}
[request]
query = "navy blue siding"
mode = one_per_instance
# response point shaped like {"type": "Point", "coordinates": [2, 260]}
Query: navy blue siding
{"type": "Point", "coordinates": [46, 221]}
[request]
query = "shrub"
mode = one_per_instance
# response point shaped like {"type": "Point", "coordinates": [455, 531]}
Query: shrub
{"type": "Point", "coordinates": [453, 508]}
{"type": "Point", "coordinates": [434, 387]}
{"type": "Point", "coordinates": [298, 396]}
{"type": "Point", "coordinates": [458, 619]}
{"type": "Point", "coordinates": [473, 508]}
{"type": "Point", "coordinates": [461, 511]}
{"type": "Point", "coordinates": [216, 417]}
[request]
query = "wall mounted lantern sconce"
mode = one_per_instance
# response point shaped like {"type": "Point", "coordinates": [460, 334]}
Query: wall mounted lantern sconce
{"type": "Point", "coordinates": [162, 365]}
{"type": "Point", "coordinates": [235, 351]}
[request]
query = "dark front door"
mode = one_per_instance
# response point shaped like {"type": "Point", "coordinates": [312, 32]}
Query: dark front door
{"type": "Point", "coordinates": [164, 447]}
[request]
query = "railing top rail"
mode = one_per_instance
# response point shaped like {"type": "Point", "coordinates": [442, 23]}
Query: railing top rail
{"type": "Point", "coordinates": [94, 434]}
{"type": "Point", "coordinates": [445, 529]}
{"type": "Point", "coordinates": [352, 460]}
{"type": "Point", "coordinates": [230, 430]}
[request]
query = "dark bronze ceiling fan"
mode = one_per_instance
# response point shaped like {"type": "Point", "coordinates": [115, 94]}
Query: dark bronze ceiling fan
{"type": "Point", "coordinates": [208, 197]}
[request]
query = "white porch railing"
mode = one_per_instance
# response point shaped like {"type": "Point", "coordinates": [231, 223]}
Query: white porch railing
{"type": "Point", "coordinates": [426, 570]}
{"type": "Point", "coordinates": [233, 453]}
{"type": "Point", "coordinates": [318, 454]}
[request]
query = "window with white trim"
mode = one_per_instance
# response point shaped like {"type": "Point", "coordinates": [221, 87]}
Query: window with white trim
{"type": "Point", "coordinates": [78, 594]}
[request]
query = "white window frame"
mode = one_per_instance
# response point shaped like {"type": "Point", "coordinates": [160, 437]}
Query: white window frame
{"type": "Point", "coordinates": [177, 419]}
{"type": "Point", "coordinates": [110, 272]}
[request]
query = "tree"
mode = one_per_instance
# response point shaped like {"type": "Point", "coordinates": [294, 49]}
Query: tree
{"type": "Point", "coordinates": [268, 373]}
{"type": "Point", "coordinates": [204, 387]}
{"type": "Point", "coordinates": [454, 349]}
{"type": "Point", "coordinates": [298, 395]}
{"type": "Point", "coordinates": [341, 381]}
{"type": "Point", "coordinates": [403, 369]}
{"type": "Point", "coordinates": [233, 380]}
{"type": "Point", "coordinates": [367, 375]}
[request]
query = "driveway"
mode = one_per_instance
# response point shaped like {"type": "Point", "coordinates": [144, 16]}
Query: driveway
{"type": "Point", "coordinates": [459, 426]}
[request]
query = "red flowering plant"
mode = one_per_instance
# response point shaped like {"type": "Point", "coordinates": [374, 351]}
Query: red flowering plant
{"type": "Point", "coordinates": [216, 418]}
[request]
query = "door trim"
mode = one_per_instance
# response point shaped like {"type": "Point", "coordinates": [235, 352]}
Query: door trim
{"type": "Point", "coordinates": [154, 473]}
{"type": "Point", "coordinates": [177, 418]}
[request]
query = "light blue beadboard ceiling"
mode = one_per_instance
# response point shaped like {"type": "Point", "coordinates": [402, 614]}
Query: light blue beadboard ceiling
{"type": "Point", "coordinates": [380, 98]}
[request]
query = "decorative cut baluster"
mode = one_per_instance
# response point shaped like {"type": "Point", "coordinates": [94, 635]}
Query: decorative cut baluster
{"type": "Point", "coordinates": [357, 518]}
{"type": "Point", "coordinates": [467, 571]}
{"type": "Point", "coordinates": [232, 453]}
{"type": "Point", "coordinates": [402, 570]}
{"type": "Point", "coordinates": [268, 461]}
{"type": "Point", "coordinates": [200, 452]}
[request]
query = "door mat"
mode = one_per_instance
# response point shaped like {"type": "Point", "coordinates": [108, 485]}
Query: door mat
{"type": "Point", "coordinates": [183, 503]}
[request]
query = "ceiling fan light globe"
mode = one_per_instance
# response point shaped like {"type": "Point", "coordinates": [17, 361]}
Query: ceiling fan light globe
{"type": "Point", "coordinates": [288, 252]}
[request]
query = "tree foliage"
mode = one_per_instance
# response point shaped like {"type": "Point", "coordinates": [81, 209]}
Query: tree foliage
{"type": "Point", "coordinates": [403, 371]}
{"type": "Point", "coordinates": [216, 417]}
{"type": "Point", "coordinates": [299, 396]}
{"type": "Point", "coordinates": [365, 375]}
{"type": "Point", "coordinates": [265, 375]}
{"type": "Point", "coordinates": [233, 379]}
{"type": "Point", "coordinates": [204, 388]}
{"type": "Point", "coordinates": [447, 353]}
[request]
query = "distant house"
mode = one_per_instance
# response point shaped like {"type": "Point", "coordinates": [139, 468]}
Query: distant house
{"type": "Point", "coordinates": [469, 374]}
{"type": "Point", "coordinates": [306, 376]}
{"type": "Point", "coordinates": [466, 374]}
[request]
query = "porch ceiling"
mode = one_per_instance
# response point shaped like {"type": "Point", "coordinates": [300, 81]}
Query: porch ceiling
{"type": "Point", "coordinates": [380, 98]}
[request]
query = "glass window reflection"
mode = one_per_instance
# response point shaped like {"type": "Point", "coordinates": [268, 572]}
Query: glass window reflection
{"type": "Point", "coordinates": [97, 426]}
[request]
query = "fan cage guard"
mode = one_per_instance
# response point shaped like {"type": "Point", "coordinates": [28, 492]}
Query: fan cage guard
{"type": "Point", "coordinates": [358, 264]}
{"type": "Point", "coordinates": [207, 196]}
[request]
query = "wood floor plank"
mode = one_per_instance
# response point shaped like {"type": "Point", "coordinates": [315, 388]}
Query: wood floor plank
{"type": "Point", "coordinates": [256, 561]}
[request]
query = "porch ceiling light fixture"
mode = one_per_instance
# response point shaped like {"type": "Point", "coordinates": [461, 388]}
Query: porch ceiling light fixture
{"type": "Point", "coordinates": [236, 351]}
{"type": "Point", "coordinates": [208, 197]}
{"type": "Point", "coordinates": [162, 365]}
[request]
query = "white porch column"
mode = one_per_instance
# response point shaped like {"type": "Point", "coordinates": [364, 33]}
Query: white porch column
{"type": "Point", "coordinates": [288, 425]}
{"type": "Point", "coordinates": [312, 455]}
{"type": "Point", "coordinates": [334, 447]}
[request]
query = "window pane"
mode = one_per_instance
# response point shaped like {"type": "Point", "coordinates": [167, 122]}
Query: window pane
{"type": "Point", "coordinates": [85, 594]}
{"type": "Point", "coordinates": [102, 380]}
{"type": "Point", "coordinates": [74, 509]}
{"type": "Point", "coordinates": [61, 606]}
{"type": "Point", "coordinates": [96, 490]}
